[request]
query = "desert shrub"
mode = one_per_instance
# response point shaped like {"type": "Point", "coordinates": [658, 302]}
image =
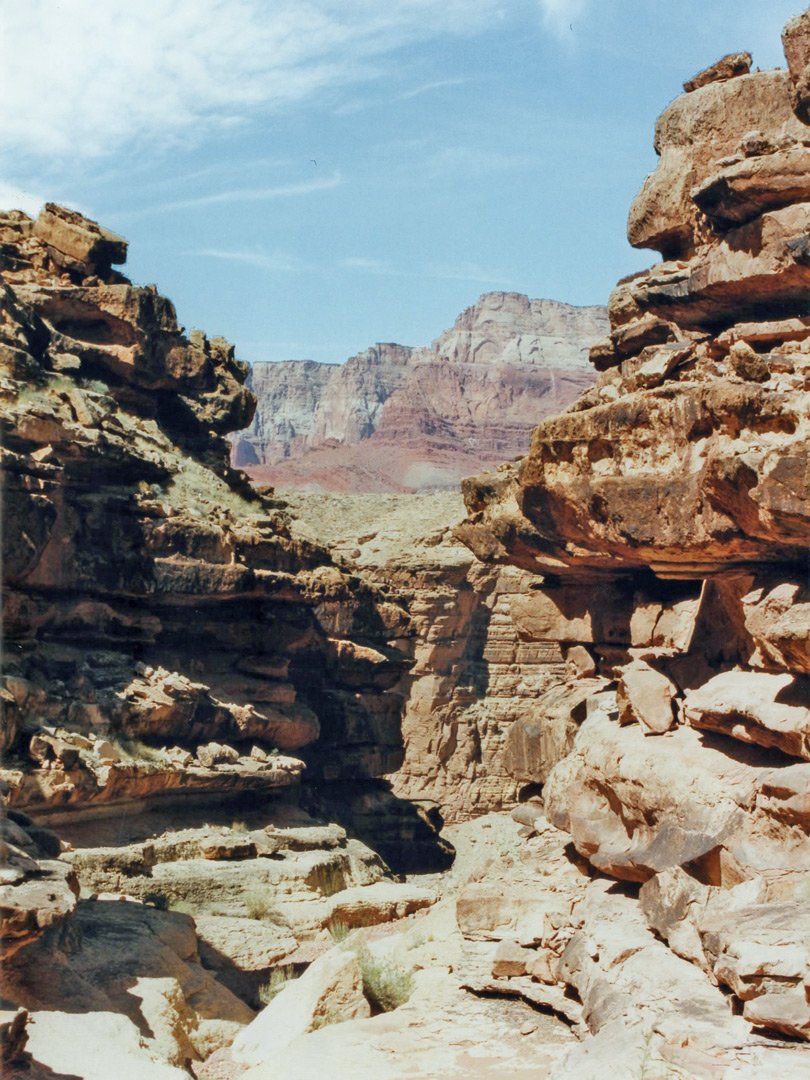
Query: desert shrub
{"type": "Point", "coordinates": [259, 905]}
{"type": "Point", "coordinates": [181, 906]}
{"type": "Point", "coordinates": [387, 983]}
{"type": "Point", "coordinates": [279, 977]}
{"type": "Point", "coordinates": [339, 931]}
{"type": "Point", "coordinates": [132, 749]}
{"type": "Point", "coordinates": [330, 879]}
{"type": "Point", "coordinates": [157, 900]}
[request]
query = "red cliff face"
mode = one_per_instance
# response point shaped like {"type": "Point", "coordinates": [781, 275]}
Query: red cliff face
{"type": "Point", "coordinates": [407, 419]}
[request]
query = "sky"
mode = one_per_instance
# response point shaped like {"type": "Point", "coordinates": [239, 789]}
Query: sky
{"type": "Point", "coordinates": [309, 177]}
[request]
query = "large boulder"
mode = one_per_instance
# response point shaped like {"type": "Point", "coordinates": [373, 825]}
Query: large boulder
{"type": "Point", "coordinates": [755, 707]}
{"type": "Point", "coordinates": [330, 991]}
{"type": "Point", "coordinates": [796, 43]}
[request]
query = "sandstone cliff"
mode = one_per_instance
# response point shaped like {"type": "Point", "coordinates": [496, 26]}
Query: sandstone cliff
{"type": "Point", "coordinates": [666, 516]}
{"type": "Point", "coordinates": [398, 419]}
{"type": "Point", "coordinates": [174, 659]}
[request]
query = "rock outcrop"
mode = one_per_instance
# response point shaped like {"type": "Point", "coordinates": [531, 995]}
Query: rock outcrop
{"type": "Point", "coordinates": [173, 652]}
{"type": "Point", "coordinates": [666, 516]}
{"type": "Point", "coordinates": [477, 686]}
{"type": "Point", "coordinates": [406, 419]}
{"type": "Point", "coordinates": [167, 636]}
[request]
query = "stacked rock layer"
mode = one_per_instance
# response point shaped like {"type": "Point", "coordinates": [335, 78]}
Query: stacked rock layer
{"type": "Point", "coordinates": [667, 516]}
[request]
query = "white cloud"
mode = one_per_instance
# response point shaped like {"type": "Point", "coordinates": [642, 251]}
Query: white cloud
{"type": "Point", "coordinates": [467, 271]}
{"type": "Point", "coordinates": [426, 87]}
{"type": "Point", "coordinates": [560, 15]}
{"type": "Point", "coordinates": [84, 78]}
{"type": "Point", "coordinates": [278, 262]}
{"type": "Point", "coordinates": [473, 161]}
{"type": "Point", "coordinates": [16, 198]}
{"type": "Point", "coordinates": [262, 194]}
{"type": "Point", "coordinates": [370, 266]}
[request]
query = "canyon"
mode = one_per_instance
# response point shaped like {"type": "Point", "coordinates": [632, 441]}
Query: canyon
{"type": "Point", "coordinates": [396, 418]}
{"type": "Point", "coordinates": [432, 784]}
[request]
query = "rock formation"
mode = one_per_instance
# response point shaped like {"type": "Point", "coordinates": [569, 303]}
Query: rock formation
{"type": "Point", "coordinates": [125, 528]}
{"type": "Point", "coordinates": [615, 642]}
{"type": "Point", "coordinates": [477, 688]}
{"type": "Point", "coordinates": [667, 516]}
{"type": "Point", "coordinates": [399, 419]}
{"type": "Point", "coordinates": [174, 659]}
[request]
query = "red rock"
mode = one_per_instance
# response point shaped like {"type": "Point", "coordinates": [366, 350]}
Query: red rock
{"type": "Point", "coordinates": [396, 418]}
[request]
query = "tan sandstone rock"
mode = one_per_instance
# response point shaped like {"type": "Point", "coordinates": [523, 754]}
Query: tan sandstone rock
{"type": "Point", "coordinates": [330, 991]}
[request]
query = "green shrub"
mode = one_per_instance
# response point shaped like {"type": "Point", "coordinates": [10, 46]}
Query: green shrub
{"type": "Point", "coordinates": [157, 900]}
{"type": "Point", "coordinates": [386, 983]}
{"type": "Point", "coordinates": [132, 749]}
{"type": "Point", "coordinates": [182, 906]}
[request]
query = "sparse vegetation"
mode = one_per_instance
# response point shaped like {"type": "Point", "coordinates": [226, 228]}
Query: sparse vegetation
{"type": "Point", "coordinates": [387, 983]}
{"type": "Point", "coordinates": [201, 491]}
{"type": "Point", "coordinates": [332, 1015]}
{"type": "Point", "coordinates": [183, 907]}
{"type": "Point", "coordinates": [279, 977]}
{"type": "Point", "coordinates": [652, 1064]}
{"type": "Point", "coordinates": [158, 900]}
{"type": "Point", "coordinates": [339, 931]}
{"type": "Point", "coordinates": [259, 905]}
{"type": "Point", "coordinates": [330, 879]}
{"type": "Point", "coordinates": [132, 749]}
{"type": "Point", "coordinates": [26, 393]}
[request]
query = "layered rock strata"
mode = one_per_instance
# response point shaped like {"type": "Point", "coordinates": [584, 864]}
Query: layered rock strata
{"type": "Point", "coordinates": [395, 418]}
{"type": "Point", "coordinates": [475, 673]}
{"type": "Point", "coordinates": [667, 516]}
{"type": "Point", "coordinates": [172, 652]}
{"type": "Point", "coordinates": [166, 634]}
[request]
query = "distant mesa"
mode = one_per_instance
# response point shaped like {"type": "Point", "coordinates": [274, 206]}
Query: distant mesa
{"type": "Point", "coordinates": [396, 418]}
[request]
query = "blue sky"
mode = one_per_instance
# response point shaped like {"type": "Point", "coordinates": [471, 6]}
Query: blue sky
{"type": "Point", "coordinates": [308, 177]}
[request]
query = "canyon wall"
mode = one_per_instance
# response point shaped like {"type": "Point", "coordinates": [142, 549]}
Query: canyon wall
{"type": "Point", "coordinates": [666, 518]}
{"type": "Point", "coordinates": [395, 418]}
{"type": "Point", "coordinates": [176, 660]}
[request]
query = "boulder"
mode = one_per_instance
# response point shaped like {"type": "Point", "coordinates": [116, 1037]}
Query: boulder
{"type": "Point", "coordinates": [81, 240]}
{"type": "Point", "coordinates": [645, 696]}
{"type": "Point", "coordinates": [633, 811]}
{"type": "Point", "coordinates": [384, 901]}
{"type": "Point", "coordinates": [510, 960]}
{"type": "Point", "coordinates": [542, 737]}
{"type": "Point", "coordinates": [329, 992]}
{"type": "Point", "coordinates": [728, 67]}
{"type": "Point", "coordinates": [796, 43]}
{"type": "Point", "coordinates": [755, 707]}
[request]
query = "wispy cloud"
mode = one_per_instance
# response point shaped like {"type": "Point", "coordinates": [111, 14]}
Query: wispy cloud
{"type": "Point", "coordinates": [559, 15]}
{"type": "Point", "coordinates": [278, 262]}
{"type": "Point", "coordinates": [465, 271]}
{"type": "Point", "coordinates": [85, 79]}
{"type": "Point", "coordinates": [427, 87]}
{"type": "Point", "coordinates": [262, 194]}
{"type": "Point", "coordinates": [474, 161]}
{"type": "Point", "coordinates": [370, 266]}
